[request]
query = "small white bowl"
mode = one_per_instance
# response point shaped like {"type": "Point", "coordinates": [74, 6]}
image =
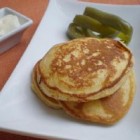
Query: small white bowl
{"type": "Point", "coordinates": [13, 37]}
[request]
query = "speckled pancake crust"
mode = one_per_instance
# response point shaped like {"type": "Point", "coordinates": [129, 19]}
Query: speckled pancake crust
{"type": "Point", "coordinates": [84, 69]}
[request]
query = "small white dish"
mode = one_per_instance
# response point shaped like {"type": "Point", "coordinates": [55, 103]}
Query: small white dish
{"type": "Point", "coordinates": [13, 37]}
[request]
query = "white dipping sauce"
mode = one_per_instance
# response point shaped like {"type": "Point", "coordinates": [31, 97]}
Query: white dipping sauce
{"type": "Point", "coordinates": [8, 23]}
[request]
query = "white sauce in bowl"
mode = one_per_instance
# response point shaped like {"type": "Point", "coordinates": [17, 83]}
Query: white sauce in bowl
{"type": "Point", "coordinates": [8, 23]}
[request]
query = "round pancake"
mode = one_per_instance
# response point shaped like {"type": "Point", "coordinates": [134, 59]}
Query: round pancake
{"type": "Point", "coordinates": [107, 110]}
{"type": "Point", "coordinates": [47, 100]}
{"type": "Point", "coordinates": [84, 69]}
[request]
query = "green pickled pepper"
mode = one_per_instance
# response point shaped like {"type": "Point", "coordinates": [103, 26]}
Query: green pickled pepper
{"type": "Point", "coordinates": [96, 23]}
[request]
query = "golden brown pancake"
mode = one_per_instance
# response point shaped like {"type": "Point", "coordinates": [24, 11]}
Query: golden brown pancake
{"type": "Point", "coordinates": [107, 110]}
{"type": "Point", "coordinates": [84, 69]}
{"type": "Point", "coordinates": [35, 86]}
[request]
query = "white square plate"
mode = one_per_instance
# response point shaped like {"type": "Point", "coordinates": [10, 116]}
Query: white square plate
{"type": "Point", "coordinates": [22, 112]}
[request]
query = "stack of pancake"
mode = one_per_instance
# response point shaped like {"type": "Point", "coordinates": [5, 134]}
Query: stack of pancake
{"type": "Point", "coordinates": [90, 79]}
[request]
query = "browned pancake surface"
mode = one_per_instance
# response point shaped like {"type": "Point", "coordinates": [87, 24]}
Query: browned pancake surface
{"type": "Point", "coordinates": [85, 69]}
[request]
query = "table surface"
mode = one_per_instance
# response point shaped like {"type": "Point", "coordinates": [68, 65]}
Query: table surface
{"type": "Point", "coordinates": [9, 59]}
